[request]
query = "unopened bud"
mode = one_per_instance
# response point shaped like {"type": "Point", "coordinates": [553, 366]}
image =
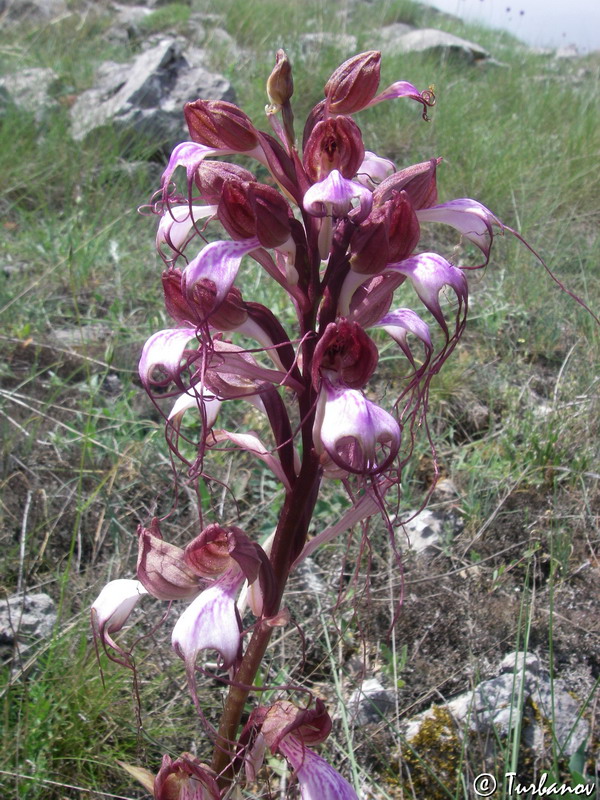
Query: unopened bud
{"type": "Point", "coordinates": [348, 351]}
{"type": "Point", "coordinates": [369, 244]}
{"type": "Point", "coordinates": [219, 124]}
{"type": "Point", "coordinates": [404, 230]}
{"type": "Point", "coordinates": [211, 175]}
{"type": "Point", "coordinates": [334, 143]}
{"type": "Point", "coordinates": [418, 181]}
{"type": "Point", "coordinates": [249, 209]}
{"type": "Point", "coordinates": [353, 84]}
{"type": "Point", "coordinates": [280, 85]}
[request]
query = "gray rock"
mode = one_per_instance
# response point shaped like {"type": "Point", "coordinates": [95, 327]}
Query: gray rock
{"type": "Point", "coordinates": [130, 15]}
{"type": "Point", "coordinates": [311, 44]}
{"type": "Point", "coordinates": [145, 97]}
{"type": "Point", "coordinates": [388, 35]}
{"type": "Point", "coordinates": [17, 10]}
{"type": "Point", "coordinates": [29, 90]}
{"type": "Point", "coordinates": [427, 531]}
{"type": "Point", "coordinates": [25, 618]}
{"type": "Point", "coordinates": [372, 702]}
{"type": "Point", "coordinates": [521, 695]}
{"type": "Point", "coordinates": [432, 40]}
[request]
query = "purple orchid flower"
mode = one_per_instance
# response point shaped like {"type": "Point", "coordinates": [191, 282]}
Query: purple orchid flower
{"type": "Point", "coordinates": [354, 432]}
{"type": "Point", "coordinates": [211, 622]}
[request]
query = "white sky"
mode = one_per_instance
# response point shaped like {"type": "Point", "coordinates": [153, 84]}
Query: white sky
{"type": "Point", "coordinates": [543, 23]}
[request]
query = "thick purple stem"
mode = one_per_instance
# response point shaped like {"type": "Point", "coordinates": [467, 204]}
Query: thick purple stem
{"type": "Point", "coordinates": [289, 540]}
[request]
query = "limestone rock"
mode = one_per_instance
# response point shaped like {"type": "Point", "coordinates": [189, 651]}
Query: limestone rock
{"type": "Point", "coordinates": [25, 618]}
{"type": "Point", "coordinates": [372, 702]}
{"type": "Point", "coordinates": [17, 10]}
{"type": "Point", "coordinates": [426, 531]}
{"type": "Point", "coordinates": [433, 40]}
{"type": "Point", "coordinates": [522, 695]}
{"type": "Point", "coordinates": [145, 97]}
{"type": "Point", "coordinates": [29, 90]}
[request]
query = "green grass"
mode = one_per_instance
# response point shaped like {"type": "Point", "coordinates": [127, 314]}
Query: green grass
{"type": "Point", "coordinates": [80, 293]}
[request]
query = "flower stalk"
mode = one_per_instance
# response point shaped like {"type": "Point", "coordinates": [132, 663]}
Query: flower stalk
{"type": "Point", "coordinates": [338, 228]}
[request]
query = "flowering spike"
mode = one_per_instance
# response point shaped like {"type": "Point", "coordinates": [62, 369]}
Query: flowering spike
{"type": "Point", "coordinates": [337, 228]}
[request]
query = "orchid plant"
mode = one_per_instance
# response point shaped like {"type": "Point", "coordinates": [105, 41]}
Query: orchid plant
{"type": "Point", "coordinates": [339, 229]}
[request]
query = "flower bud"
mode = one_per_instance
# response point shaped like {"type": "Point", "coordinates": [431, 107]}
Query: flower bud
{"type": "Point", "coordinates": [250, 209]}
{"type": "Point", "coordinates": [280, 85]}
{"type": "Point", "coordinates": [199, 304]}
{"type": "Point", "coordinates": [211, 175]}
{"type": "Point", "coordinates": [404, 229]}
{"type": "Point", "coordinates": [219, 124]}
{"type": "Point", "coordinates": [334, 143]}
{"type": "Point", "coordinates": [353, 84]}
{"type": "Point", "coordinates": [418, 181]}
{"type": "Point", "coordinates": [346, 350]}
{"type": "Point", "coordinates": [369, 244]}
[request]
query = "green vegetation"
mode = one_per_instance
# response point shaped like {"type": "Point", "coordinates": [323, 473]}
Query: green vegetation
{"type": "Point", "coordinates": [515, 416]}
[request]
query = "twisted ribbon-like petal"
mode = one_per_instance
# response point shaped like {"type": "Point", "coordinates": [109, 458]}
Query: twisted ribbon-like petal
{"type": "Point", "coordinates": [318, 780]}
{"type": "Point", "coordinates": [474, 221]}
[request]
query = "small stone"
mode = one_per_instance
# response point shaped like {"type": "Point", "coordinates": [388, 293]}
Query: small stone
{"type": "Point", "coordinates": [372, 702]}
{"type": "Point", "coordinates": [25, 618]}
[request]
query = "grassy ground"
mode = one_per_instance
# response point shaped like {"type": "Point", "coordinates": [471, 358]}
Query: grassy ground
{"type": "Point", "coordinates": [515, 415]}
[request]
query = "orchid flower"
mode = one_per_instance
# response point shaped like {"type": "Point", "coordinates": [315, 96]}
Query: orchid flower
{"type": "Point", "coordinates": [211, 622]}
{"type": "Point", "coordinates": [112, 608]}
